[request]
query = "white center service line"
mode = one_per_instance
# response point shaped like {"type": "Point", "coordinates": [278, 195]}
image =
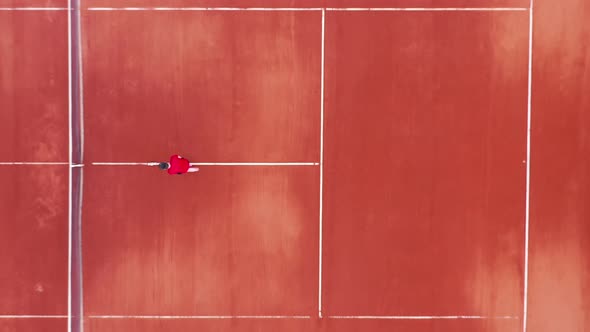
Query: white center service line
{"type": "Point", "coordinates": [422, 317]}
{"type": "Point", "coordinates": [194, 317]}
{"type": "Point", "coordinates": [432, 9]}
{"type": "Point", "coordinates": [208, 164]}
{"type": "Point", "coordinates": [198, 9]}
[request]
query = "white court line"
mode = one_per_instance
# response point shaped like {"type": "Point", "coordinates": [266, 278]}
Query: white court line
{"type": "Point", "coordinates": [208, 164]}
{"type": "Point", "coordinates": [81, 86]}
{"type": "Point", "coordinates": [321, 226]}
{"type": "Point", "coordinates": [432, 9]}
{"type": "Point", "coordinates": [31, 8]}
{"type": "Point", "coordinates": [194, 317]}
{"type": "Point", "coordinates": [262, 317]}
{"type": "Point", "coordinates": [39, 163]}
{"type": "Point", "coordinates": [31, 316]}
{"type": "Point", "coordinates": [70, 160]}
{"type": "Point", "coordinates": [81, 281]}
{"type": "Point", "coordinates": [198, 9]}
{"type": "Point", "coordinates": [257, 164]}
{"type": "Point", "coordinates": [422, 317]}
{"type": "Point", "coordinates": [528, 172]}
{"type": "Point", "coordinates": [410, 9]}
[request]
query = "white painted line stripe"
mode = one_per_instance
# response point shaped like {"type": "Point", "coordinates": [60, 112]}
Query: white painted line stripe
{"type": "Point", "coordinates": [125, 164]}
{"type": "Point", "coordinates": [81, 290]}
{"type": "Point", "coordinates": [195, 317]}
{"type": "Point", "coordinates": [81, 86]}
{"type": "Point", "coordinates": [32, 316]}
{"type": "Point", "coordinates": [198, 9]}
{"type": "Point", "coordinates": [77, 165]}
{"type": "Point", "coordinates": [70, 159]}
{"type": "Point", "coordinates": [422, 317]}
{"type": "Point", "coordinates": [432, 9]}
{"type": "Point", "coordinates": [39, 163]}
{"type": "Point", "coordinates": [261, 317]}
{"type": "Point", "coordinates": [321, 226]}
{"type": "Point", "coordinates": [408, 9]}
{"type": "Point", "coordinates": [31, 8]}
{"type": "Point", "coordinates": [208, 164]}
{"type": "Point", "coordinates": [258, 164]}
{"type": "Point", "coordinates": [528, 172]}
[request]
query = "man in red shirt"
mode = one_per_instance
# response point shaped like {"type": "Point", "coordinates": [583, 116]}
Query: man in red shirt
{"type": "Point", "coordinates": [178, 165]}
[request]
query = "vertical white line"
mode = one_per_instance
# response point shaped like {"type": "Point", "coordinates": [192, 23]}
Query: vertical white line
{"type": "Point", "coordinates": [528, 171]}
{"type": "Point", "coordinates": [70, 133]}
{"type": "Point", "coordinates": [81, 83]}
{"type": "Point", "coordinates": [81, 189]}
{"type": "Point", "coordinates": [79, 235]}
{"type": "Point", "coordinates": [321, 165]}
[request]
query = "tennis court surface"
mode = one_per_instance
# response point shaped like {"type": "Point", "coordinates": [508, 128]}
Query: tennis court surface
{"type": "Point", "coordinates": [375, 165]}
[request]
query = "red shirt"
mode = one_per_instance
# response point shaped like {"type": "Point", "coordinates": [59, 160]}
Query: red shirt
{"type": "Point", "coordinates": [178, 165]}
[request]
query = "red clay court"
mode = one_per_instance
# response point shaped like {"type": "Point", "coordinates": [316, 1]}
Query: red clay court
{"type": "Point", "coordinates": [365, 165]}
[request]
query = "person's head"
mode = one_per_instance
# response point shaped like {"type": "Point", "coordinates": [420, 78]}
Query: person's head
{"type": "Point", "coordinates": [164, 166]}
